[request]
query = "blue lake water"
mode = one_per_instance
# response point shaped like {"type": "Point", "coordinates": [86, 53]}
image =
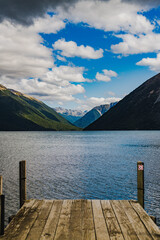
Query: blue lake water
{"type": "Point", "coordinates": [92, 165]}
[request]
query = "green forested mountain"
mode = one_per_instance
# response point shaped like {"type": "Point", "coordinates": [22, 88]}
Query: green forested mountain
{"type": "Point", "coordinates": [25, 113]}
{"type": "Point", "coordinates": [139, 110]}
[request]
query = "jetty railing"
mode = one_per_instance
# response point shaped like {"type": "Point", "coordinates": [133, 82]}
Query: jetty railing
{"type": "Point", "coordinates": [22, 182]}
{"type": "Point", "coordinates": [140, 183]}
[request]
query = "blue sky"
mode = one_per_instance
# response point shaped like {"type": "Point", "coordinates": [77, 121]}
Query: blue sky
{"type": "Point", "coordinates": [92, 53]}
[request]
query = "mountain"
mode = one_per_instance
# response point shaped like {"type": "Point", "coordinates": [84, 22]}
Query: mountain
{"type": "Point", "coordinates": [21, 112]}
{"type": "Point", "coordinates": [140, 110]}
{"type": "Point", "coordinates": [69, 114]}
{"type": "Point", "coordinates": [92, 115]}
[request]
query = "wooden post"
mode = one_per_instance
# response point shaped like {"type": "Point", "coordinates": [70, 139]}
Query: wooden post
{"type": "Point", "coordinates": [22, 182]}
{"type": "Point", "coordinates": [140, 183]}
{"type": "Point", "coordinates": [1, 182]}
{"type": "Point", "coordinates": [2, 198]}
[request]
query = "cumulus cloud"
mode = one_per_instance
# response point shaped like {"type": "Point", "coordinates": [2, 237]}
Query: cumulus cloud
{"type": "Point", "coordinates": [60, 58]}
{"type": "Point", "coordinates": [22, 53]}
{"type": "Point", "coordinates": [152, 63]}
{"type": "Point", "coordinates": [112, 15]}
{"type": "Point", "coordinates": [89, 103]}
{"type": "Point", "coordinates": [70, 49]}
{"type": "Point", "coordinates": [25, 12]}
{"type": "Point", "coordinates": [47, 91]}
{"type": "Point", "coordinates": [137, 44]}
{"type": "Point", "coordinates": [47, 24]}
{"type": "Point", "coordinates": [106, 75]}
{"type": "Point", "coordinates": [62, 75]}
{"type": "Point", "coordinates": [25, 62]}
{"type": "Point", "coordinates": [56, 84]}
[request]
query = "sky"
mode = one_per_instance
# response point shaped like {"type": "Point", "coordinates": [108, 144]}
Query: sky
{"type": "Point", "coordinates": [78, 54]}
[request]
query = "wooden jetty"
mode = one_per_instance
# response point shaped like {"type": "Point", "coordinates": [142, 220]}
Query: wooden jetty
{"type": "Point", "coordinates": [79, 219]}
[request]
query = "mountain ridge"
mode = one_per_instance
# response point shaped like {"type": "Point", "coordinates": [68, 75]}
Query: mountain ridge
{"type": "Point", "coordinates": [93, 115]}
{"type": "Point", "coordinates": [20, 112]}
{"type": "Point", "coordinates": [139, 110]}
{"type": "Point", "coordinates": [69, 114]}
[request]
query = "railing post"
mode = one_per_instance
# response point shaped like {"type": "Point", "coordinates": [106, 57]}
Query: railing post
{"type": "Point", "coordinates": [22, 182]}
{"type": "Point", "coordinates": [140, 183]}
{"type": "Point", "coordinates": [1, 183]}
{"type": "Point", "coordinates": [2, 212]}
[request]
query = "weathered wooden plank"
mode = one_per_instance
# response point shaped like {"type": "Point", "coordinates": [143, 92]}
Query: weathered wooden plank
{"type": "Point", "coordinates": [137, 224]}
{"type": "Point", "coordinates": [99, 221]}
{"type": "Point", "coordinates": [88, 230]}
{"type": "Point", "coordinates": [28, 221]}
{"type": "Point", "coordinates": [52, 221]}
{"type": "Point", "coordinates": [111, 221]}
{"type": "Point", "coordinates": [62, 232]}
{"type": "Point", "coordinates": [147, 221]}
{"type": "Point", "coordinates": [75, 223]}
{"type": "Point", "coordinates": [14, 225]}
{"type": "Point", "coordinates": [125, 225]}
{"type": "Point", "coordinates": [81, 220]}
{"type": "Point", "coordinates": [38, 225]}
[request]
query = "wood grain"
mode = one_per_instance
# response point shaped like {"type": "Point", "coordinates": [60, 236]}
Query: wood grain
{"type": "Point", "coordinates": [100, 224]}
{"type": "Point", "coordinates": [146, 220]}
{"type": "Point", "coordinates": [81, 220]}
{"type": "Point", "coordinates": [113, 226]}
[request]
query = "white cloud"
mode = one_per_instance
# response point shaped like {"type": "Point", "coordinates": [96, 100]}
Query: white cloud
{"type": "Point", "coordinates": [106, 75]}
{"type": "Point", "coordinates": [92, 102]}
{"type": "Point", "coordinates": [57, 84]}
{"type": "Point", "coordinates": [22, 53]}
{"type": "Point", "coordinates": [48, 24]}
{"type": "Point", "coordinates": [25, 62]}
{"type": "Point", "coordinates": [152, 63]}
{"type": "Point", "coordinates": [47, 91]}
{"type": "Point", "coordinates": [70, 49]}
{"type": "Point", "coordinates": [60, 58]}
{"type": "Point", "coordinates": [112, 15]}
{"type": "Point", "coordinates": [137, 44]}
{"type": "Point", "coordinates": [62, 75]}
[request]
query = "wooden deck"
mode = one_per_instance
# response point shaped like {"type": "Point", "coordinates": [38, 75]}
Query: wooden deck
{"type": "Point", "coordinates": [81, 220]}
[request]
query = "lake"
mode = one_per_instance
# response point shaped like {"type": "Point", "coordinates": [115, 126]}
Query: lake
{"type": "Point", "coordinates": [89, 165]}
